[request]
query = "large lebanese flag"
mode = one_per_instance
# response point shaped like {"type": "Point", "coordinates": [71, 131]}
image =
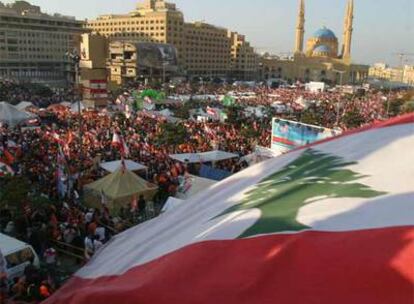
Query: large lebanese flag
{"type": "Point", "coordinates": [329, 223]}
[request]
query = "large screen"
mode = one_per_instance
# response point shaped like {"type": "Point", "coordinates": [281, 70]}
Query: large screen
{"type": "Point", "coordinates": [157, 55]}
{"type": "Point", "coordinates": [288, 135]}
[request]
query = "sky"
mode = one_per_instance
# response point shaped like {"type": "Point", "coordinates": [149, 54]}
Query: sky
{"type": "Point", "coordinates": [382, 28]}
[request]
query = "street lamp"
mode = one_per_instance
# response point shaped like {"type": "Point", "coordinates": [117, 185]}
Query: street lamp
{"type": "Point", "coordinates": [74, 58]}
{"type": "Point", "coordinates": [164, 64]}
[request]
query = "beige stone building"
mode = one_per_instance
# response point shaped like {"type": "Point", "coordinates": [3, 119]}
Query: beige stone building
{"type": "Point", "coordinates": [93, 72]}
{"type": "Point", "coordinates": [322, 60]}
{"type": "Point", "coordinates": [409, 75]}
{"type": "Point", "coordinates": [203, 49]}
{"type": "Point", "coordinates": [129, 61]}
{"type": "Point", "coordinates": [206, 50]}
{"type": "Point", "coordinates": [33, 44]}
{"type": "Point", "coordinates": [384, 72]}
{"type": "Point", "coordinates": [244, 61]}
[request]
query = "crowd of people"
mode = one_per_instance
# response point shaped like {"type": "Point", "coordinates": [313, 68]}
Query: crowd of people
{"type": "Point", "coordinates": [39, 95]}
{"type": "Point", "coordinates": [50, 218]}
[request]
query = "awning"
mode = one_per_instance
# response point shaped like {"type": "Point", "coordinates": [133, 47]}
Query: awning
{"type": "Point", "coordinates": [205, 157]}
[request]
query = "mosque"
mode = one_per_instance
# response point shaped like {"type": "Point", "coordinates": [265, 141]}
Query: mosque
{"type": "Point", "coordinates": [323, 59]}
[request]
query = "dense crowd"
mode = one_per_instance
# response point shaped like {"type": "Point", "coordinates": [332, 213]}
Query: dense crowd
{"type": "Point", "coordinates": [48, 218]}
{"type": "Point", "coordinates": [39, 95]}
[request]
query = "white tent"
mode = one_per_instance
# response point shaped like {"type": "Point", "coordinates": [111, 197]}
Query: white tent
{"type": "Point", "coordinates": [66, 104]}
{"type": "Point", "coordinates": [74, 108]}
{"type": "Point", "coordinates": [205, 157]}
{"type": "Point", "coordinates": [23, 105]}
{"type": "Point", "coordinates": [11, 115]}
{"type": "Point", "coordinates": [166, 113]}
{"type": "Point", "coordinates": [115, 165]}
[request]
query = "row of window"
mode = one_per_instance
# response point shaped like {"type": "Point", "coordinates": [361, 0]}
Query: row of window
{"type": "Point", "coordinates": [14, 55]}
{"type": "Point", "coordinates": [131, 22]}
{"type": "Point", "coordinates": [17, 34]}
{"type": "Point", "coordinates": [208, 61]}
{"type": "Point", "coordinates": [119, 29]}
{"type": "Point", "coordinates": [39, 21]}
{"type": "Point", "coordinates": [133, 34]}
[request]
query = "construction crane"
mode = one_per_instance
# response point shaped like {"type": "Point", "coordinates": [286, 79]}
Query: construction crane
{"type": "Point", "coordinates": [403, 57]}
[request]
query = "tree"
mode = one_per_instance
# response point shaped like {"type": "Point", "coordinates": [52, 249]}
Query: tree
{"type": "Point", "coordinates": [394, 107]}
{"type": "Point", "coordinates": [14, 192]}
{"type": "Point", "coordinates": [408, 107]}
{"type": "Point", "coordinates": [310, 117]}
{"type": "Point", "coordinates": [353, 119]}
{"type": "Point", "coordinates": [171, 134]}
{"type": "Point", "coordinates": [310, 178]}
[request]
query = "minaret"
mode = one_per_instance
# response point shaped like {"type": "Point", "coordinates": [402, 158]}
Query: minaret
{"type": "Point", "coordinates": [300, 29]}
{"type": "Point", "coordinates": [348, 30]}
{"type": "Point", "coordinates": [345, 28]}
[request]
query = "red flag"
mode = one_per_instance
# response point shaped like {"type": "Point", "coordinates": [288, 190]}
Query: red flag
{"type": "Point", "coordinates": [7, 157]}
{"type": "Point", "coordinates": [211, 111]}
{"type": "Point", "coordinates": [119, 143]}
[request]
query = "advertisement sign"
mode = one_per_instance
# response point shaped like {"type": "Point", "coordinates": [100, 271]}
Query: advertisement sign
{"type": "Point", "coordinates": [288, 135]}
{"type": "Point", "coordinates": [157, 56]}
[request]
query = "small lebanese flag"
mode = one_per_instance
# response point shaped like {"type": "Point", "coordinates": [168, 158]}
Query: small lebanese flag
{"type": "Point", "coordinates": [116, 140]}
{"type": "Point", "coordinates": [328, 223]}
{"type": "Point", "coordinates": [211, 111]}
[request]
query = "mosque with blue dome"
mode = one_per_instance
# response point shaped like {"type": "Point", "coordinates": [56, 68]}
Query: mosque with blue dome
{"type": "Point", "coordinates": [323, 58]}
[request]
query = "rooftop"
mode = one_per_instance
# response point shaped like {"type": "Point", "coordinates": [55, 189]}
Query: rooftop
{"type": "Point", "coordinates": [23, 8]}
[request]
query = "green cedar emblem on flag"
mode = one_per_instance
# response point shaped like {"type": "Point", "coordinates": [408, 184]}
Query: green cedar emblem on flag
{"type": "Point", "coordinates": [310, 178]}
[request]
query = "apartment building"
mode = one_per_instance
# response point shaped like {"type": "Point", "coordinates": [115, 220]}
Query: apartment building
{"type": "Point", "coordinates": [202, 49]}
{"type": "Point", "coordinates": [33, 44]}
{"type": "Point", "coordinates": [244, 60]}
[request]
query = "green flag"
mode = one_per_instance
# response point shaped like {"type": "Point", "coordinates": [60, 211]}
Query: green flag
{"type": "Point", "coordinates": [138, 101]}
{"type": "Point", "coordinates": [228, 101]}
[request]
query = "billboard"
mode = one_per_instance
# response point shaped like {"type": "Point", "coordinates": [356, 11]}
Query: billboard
{"type": "Point", "coordinates": [157, 56]}
{"type": "Point", "coordinates": [288, 135]}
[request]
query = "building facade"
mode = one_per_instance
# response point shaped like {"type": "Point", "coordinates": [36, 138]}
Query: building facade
{"type": "Point", "coordinates": [322, 60]}
{"type": "Point", "coordinates": [93, 73]}
{"type": "Point", "coordinates": [384, 72]}
{"type": "Point", "coordinates": [129, 61]}
{"type": "Point", "coordinates": [244, 60]}
{"type": "Point", "coordinates": [33, 44]}
{"type": "Point", "coordinates": [203, 50]}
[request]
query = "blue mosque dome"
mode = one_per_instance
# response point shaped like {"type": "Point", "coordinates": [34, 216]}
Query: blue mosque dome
{"type": "Point", "coordinates": [324, 32]}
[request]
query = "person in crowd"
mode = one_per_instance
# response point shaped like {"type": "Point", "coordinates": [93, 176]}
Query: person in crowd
{"type": "Point", "coordinates": [3, 278]}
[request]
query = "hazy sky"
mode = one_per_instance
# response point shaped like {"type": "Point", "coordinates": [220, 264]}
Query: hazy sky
{"type": "Point", "coordinates": [381, 27]}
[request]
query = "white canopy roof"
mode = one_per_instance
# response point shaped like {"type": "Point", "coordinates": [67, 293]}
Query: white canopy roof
{"type": "Point", "coordinates": [115, 165]}
{"type": "Point", "coordinates": [66, 104]}
{"type": "Point", "coordinates": [9, 244]}
{"type": "Point", "coordinates": [11, 115]}
{"type": "Point", "coordinates": [23, 105]}
{"type": "Point", "coordinates": [74, 108]}
{"type": "Point", "coordinates": [203, 157]}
